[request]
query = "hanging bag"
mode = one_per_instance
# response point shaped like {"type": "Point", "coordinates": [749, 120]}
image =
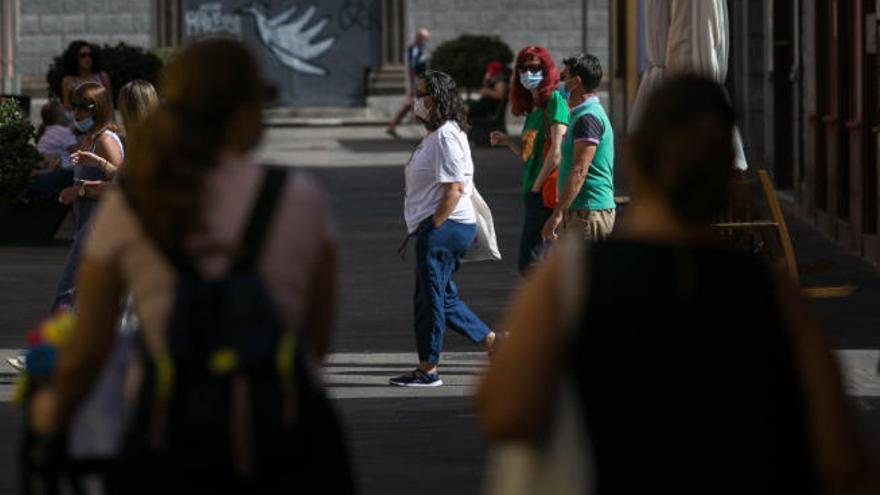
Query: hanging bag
{"type": "Point", "coordinates": [549, 193]}
{"type": "Point", "coordinates": [485, 245]}
{"type": "Point", "coordinates": [562, 465]}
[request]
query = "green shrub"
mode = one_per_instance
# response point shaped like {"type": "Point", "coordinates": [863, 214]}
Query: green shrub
{"type": "Point", "coordinates": [18, 155]}
{"type": "Point", "coordinates": [123, 63]}
{"type": "Point", "coordinates": [165, 53]}
{"type": "Point", "coordinates": [465, 58]}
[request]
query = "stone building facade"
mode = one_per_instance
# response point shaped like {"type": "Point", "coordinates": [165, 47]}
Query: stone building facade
{"type": "Point", "coordinates": [558, 25]}
{"type": "Point", "coordinates": [47, 26]}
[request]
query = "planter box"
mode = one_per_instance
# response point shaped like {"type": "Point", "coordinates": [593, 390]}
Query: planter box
{"type": "Point", "coordinates": [31, 223]}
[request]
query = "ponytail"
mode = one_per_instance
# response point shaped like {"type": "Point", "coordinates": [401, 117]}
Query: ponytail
{"type": "Point", "coordinates": [169, 158]}
{"type": "Point", "coordinates": [173, 149]}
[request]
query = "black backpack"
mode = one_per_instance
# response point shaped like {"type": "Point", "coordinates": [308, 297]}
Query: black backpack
{"type": "Point", "coordinates": [231, 407]}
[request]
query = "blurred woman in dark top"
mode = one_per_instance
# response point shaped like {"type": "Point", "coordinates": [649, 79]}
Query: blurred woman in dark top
{"type": "Point", "coordinates": [699, 370]}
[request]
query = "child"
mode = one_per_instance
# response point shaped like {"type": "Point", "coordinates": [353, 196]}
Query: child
{"type": "Point", "coordinates": [54, 139]}
{"type": "Point", "coordinates": [55, 142]}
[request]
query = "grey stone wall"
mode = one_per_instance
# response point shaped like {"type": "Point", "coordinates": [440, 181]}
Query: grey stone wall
{"type": "Point", "coordinates": [47, 26]}
{"type": "Point", "coordinates": [554, 24]}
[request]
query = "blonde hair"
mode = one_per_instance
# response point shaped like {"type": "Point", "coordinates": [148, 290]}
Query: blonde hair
{"type": "Point", "coordinates": [136, 100]}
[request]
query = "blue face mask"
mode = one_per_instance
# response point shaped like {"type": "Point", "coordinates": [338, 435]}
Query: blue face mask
{"type": "Point", "coordinates": [531, 80]}
{"type": "Point", "coordinates": [564, 92]}
{"type": "Point", "coordinates": [84, 125]}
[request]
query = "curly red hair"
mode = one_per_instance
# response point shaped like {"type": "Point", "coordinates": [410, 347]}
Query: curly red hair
{"type": "Point", "coordinates": [521, 101]}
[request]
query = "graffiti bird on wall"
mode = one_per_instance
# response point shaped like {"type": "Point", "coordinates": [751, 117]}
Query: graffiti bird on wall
{"type": "Point", "coordinates": [291, 40]}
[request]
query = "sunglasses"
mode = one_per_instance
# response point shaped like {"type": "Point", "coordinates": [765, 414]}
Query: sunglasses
{"type": "Point", "coordinates": [82, 106]}
{"type": "Point", "coordinates": [85, 55]}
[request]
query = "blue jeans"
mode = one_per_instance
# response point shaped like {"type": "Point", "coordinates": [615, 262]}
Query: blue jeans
{"type": "Point", "coordinates": [531, 245]}
{"type": "Point", "coordinates": [50, 185]}
{"type": "Point", "coordinates": [64, 292]}
{"type": "Point", "coordinates": [437, 306]}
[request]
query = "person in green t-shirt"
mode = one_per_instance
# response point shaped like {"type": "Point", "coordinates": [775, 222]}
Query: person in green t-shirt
{"type": "Point", "coordinates": [533, 94]}
{"type": "Point", "coordinates": [586, 170]}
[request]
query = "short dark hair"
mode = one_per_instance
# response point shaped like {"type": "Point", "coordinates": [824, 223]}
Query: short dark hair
{"type": "Point", "coordinates": [694, 175]}
{"type": "Point", "coordinates": [587, 67]}
{"type": "Point", "coordinates": [447, 100]}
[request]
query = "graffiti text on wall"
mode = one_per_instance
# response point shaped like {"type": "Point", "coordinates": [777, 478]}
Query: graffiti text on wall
{"type": "Point", "coordinates": [210, 19]}
{"type": "Point", "coordinates": [291, 39]}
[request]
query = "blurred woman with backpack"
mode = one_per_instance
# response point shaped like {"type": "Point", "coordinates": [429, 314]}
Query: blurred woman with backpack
{"type": "Point", "coordinates": [231, 267]}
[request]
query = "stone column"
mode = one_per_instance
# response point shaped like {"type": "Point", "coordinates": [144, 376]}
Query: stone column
{"type": "Point", "coordinates": [388, 78]}
{"type": "Point", "coordinates": [393, 35]}
{"type": "Point", "coordinates": [170, 21]}
{"type": "Point", "coordinates": [9, 11]}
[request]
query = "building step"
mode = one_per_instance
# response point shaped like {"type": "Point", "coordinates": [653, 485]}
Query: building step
{"type": "Point", "coordinates": [386, 80]}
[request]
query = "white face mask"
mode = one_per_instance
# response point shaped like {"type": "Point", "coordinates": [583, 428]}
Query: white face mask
{"type": "Point", "coordinates": [420, 110]}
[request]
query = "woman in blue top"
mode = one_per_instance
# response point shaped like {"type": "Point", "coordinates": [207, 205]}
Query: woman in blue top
{"type": "Point", "coordinates": [93, 116]}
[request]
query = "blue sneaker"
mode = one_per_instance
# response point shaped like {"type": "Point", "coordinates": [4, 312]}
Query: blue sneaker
{"type": "Point", "coordinates": [417, 378]}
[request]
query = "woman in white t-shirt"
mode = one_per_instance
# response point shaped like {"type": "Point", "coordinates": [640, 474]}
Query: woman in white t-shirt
{"type": "Point", "coordinates": [439, 214]}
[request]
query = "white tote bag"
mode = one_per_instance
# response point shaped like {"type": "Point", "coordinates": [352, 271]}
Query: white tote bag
{"type": "Point", "coordinates": [485, 245]}
{"type": "Point", "coordinates": [562, 465]}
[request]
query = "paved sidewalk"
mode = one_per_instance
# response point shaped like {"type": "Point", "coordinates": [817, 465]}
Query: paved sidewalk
{"type": "Point", "coordinates": [392, 429]}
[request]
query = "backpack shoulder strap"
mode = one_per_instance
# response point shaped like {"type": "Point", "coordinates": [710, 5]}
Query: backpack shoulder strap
{"type": "Point", "coordinates": [261, 218]}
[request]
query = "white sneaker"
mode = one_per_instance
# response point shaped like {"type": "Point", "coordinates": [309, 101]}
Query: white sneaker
{"type": "Point", "coordinates": [17, 362]}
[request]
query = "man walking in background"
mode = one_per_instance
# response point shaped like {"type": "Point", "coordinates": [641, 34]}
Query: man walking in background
{"type": "Point", "coordinates": [416, 60]}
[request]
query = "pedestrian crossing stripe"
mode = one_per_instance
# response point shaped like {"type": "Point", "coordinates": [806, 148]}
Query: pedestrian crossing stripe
{"type": "Point", "coordinates": [364, 375]}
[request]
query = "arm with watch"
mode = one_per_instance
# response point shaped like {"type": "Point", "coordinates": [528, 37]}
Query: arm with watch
{"type": "Point", "coordinates": [107, 156]}
{"type": "Point", "coordinates": [92, 189]}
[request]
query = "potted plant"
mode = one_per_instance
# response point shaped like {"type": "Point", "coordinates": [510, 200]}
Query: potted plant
{"type": "Point", "coordinates": [22, 220]}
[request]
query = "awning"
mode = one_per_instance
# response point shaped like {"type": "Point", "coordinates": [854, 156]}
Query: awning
{"type": "Point", "coordinates": [696, 40]}
{"type": "Point", "coordinates": [656, 34]}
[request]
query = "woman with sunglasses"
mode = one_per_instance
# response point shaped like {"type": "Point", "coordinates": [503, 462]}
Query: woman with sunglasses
{"type": "Point", "coordinates": [137, 99]}
{"type": "Point", "coordinates": [92, 116]}
{"type": "Point", "coordinates": [533, 94]}
{"type": "Point", "coordinates": [82, 63]}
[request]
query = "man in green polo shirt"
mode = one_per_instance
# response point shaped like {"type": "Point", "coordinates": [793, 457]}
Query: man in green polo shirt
{"type": "Point", "coordinates": [586, 170]}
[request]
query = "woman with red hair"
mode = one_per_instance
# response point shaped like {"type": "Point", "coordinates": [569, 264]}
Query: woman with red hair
{"type": "Point", "coordinates": [533, 94]}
